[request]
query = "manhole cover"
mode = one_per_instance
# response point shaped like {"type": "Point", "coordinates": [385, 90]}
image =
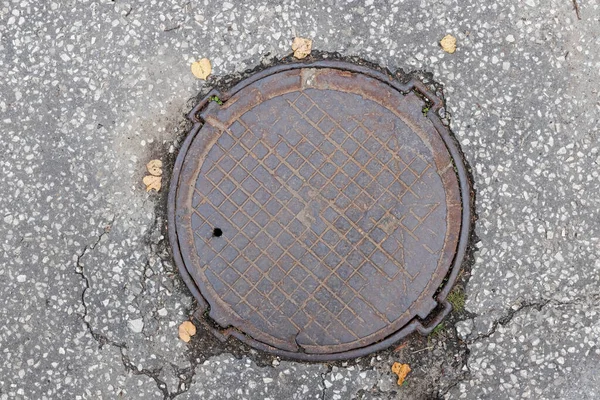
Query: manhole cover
{"type": "Point", "coordinates": [316, 210]}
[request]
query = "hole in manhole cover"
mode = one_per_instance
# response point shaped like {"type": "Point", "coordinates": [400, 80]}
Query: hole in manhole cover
{"type": "Point", "coordinates": [316, 210]}
{"type": "Point", "coordinates": [217, 232]}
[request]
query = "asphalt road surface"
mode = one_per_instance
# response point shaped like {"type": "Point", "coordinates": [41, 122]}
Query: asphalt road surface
{"type": "Point", "coordinates": [90, 91]}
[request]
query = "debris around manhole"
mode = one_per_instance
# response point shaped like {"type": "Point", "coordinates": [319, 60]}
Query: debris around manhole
{"type": "Point", "coordinates": [400, 347]}
{"type": "Point", "coordinates": [301, 47]}
{"type": "Point", "coordinates": [303, 208]}
{"type": "Point", "coordinates": [155, 167]}
{"type": "Point", "coordinates": [401, 370]}
{"type": "Point", "coordinates": [448, 44]}
{"type": "Point", "coordinates": [186, 330]}
{"type": "Point", "coordinates": [202, 68]}
{"type": "Point", "coordinates": [154, 180]}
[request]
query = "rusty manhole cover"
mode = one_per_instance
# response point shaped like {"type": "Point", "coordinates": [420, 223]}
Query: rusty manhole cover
{"type": "Point", "coordinates": [316, 210]}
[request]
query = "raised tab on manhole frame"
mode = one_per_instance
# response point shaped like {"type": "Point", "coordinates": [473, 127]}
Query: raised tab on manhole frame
{"type": "Point", "coordinates": [318, 212]}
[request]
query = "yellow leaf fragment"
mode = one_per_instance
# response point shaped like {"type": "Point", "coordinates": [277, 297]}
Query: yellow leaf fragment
{"type": "Point", "coordinates": [448, 44]}
{"type": "Point", "coordinates": [202, 68]}
{"type": "Point", "coordinates": [155, 167]}
{"type": "Point", "coordinates": [152, 182]}
{"type": "Point", "coordinates": [301, 47]}
{"type": "Point", "coordinates": [401, 370]}
{"type": "Point", "coordinates": [186, 331]}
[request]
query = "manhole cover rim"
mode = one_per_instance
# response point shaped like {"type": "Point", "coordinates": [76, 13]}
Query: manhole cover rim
{"type": "Point", "coordinates": [463, 184]}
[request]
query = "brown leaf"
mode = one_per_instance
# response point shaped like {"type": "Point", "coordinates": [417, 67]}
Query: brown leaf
{"type": "Point", "coordinates": [448, 44]}
{"type": "Point", "coordinates": [155, 167]}
{"type": "Point", "coordinates": [186, 331]}
{"type": "Point", "coordinates": [401, 370]}
{"type": "Point", "coordinates": [152, 182]}
{"type": "Point", "coordinates": [301, 47]}
{"type": "Point", "coordinates": [202, 68]}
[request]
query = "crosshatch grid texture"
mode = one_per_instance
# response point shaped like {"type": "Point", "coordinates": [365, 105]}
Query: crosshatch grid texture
{"type": "Point", "coordinates": [334, 207]}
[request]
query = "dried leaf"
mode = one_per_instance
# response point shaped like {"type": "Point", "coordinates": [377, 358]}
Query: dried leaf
{"type": "Point", "coordinates": [186, 331]}
{"type": "Point", "coordinates": [155, 167]}
{"type": "Point", "coordinates": [202, 68]}
{"type": "Point", "coordinates": [152, 182]}
{"type": "Point", "coordinates": [401, 370]}
{"type": "Point", "coordinates": [301, 47]}
{"type": "Point", "coordinates": [448, 44]}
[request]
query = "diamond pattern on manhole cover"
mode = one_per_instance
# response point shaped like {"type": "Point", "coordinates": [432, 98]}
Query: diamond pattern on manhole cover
{"type": "Point", "coordinates": [317, 212]}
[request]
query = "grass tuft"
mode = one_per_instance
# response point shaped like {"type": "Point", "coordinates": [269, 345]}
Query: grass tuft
{"type": "Point", "coordinates": [457, 299]}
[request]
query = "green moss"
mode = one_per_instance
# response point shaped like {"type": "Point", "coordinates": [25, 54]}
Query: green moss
{"type": "Point", "coordinates": [216, 99]}
{"type": "Point", "coordinates": [457, 299]}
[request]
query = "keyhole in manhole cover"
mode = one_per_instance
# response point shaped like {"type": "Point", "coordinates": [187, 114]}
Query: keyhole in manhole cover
{"type": "Point", "coordinates": [217, 232]}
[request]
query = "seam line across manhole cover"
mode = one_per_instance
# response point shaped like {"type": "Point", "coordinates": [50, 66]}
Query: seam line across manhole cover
{"type": "Point", "coordinates": [320, 211]}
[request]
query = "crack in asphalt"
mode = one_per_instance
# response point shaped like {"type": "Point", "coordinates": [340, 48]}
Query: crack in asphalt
{"type": "Point", "coordinates": [510, 315]}
{"type": "Point", "coordinates": [323, 376]}
{"type": "Point", "coordinates": [539, 305]}
{"type": "Point", "coordinates": [79, 270]}
{"type": "Point", "coordinates": [151, 373]}
{"type": "Point", "coordinates": [185, 375]}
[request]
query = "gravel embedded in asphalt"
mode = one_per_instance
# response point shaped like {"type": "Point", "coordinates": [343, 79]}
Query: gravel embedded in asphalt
{"type": "Point", "coordinates": [90, 91]}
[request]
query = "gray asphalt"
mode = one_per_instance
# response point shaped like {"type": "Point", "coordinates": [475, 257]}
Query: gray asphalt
{"type": "Point", "coordinates": [90, 91]}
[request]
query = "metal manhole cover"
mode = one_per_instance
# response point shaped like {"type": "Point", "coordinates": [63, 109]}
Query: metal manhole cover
{"type": "Point", "coordinates": [316, 210]}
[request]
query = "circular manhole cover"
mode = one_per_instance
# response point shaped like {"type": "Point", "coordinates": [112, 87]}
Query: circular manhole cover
{"type": "Point", "coordinates": [316, 210]}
